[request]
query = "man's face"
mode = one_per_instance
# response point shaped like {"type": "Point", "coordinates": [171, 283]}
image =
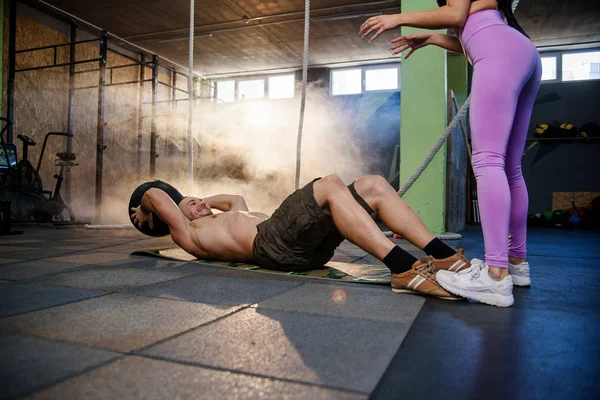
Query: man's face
{"type": "Point", "coordinates": [194, 208]}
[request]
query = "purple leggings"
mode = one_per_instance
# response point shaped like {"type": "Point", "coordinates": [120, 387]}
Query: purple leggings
{"type": "Point", "coordinates": [506, 77]}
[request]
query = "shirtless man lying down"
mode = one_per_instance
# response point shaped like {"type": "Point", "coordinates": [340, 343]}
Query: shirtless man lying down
{"type": "Point", "coordinates": [305, 230]}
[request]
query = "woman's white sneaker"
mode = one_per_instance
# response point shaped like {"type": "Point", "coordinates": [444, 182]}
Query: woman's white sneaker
{"type": "Point", "coordinates": [476, 284]}
{"type": "Point", "coordinates": [520, 274]}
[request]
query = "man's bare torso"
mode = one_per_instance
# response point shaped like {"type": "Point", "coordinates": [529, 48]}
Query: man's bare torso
{"type": "Point", "coordinates": [226, 236]}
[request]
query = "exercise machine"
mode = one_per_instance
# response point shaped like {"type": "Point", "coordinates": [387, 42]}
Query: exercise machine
{"type": "Point", "coordinates": [22, 185]}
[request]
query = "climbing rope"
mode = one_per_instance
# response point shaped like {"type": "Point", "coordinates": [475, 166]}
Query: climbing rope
{"type": "Point", "coordinates": [449, 129]}
{"type": "Point", "coordinates": [304, 83]}
{"type": "Point", "coordinates": [101, 227]}
{"type": "Point", "coordinates": [191, 96]}
{"type": "Point", "coordinates": [455, 121]}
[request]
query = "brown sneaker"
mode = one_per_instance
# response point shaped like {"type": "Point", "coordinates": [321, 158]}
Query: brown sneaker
{"type": "Point", "coordinates": [454, 263]}
{"type": "Point", "coordinates": [420, 279]}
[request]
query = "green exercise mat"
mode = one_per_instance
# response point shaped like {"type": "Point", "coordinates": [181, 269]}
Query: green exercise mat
{"type": "Point", "coordinates": [349, 272]}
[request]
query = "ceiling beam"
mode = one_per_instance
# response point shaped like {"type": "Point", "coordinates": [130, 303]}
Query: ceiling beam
{"type": "Point", "coordinates": [246, 20]}
{"type": "Point", "coordinates": [284, 47]}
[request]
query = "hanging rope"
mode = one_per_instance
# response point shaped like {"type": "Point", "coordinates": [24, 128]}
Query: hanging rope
{"type": "Point", "coordinates": [191, 96]}
{"type": "Point", "coordinates": [304, 83]}
{"type": "Point", "coordinates": [449, 129]}
{"type": "Point", "coordinates": [101, 227]}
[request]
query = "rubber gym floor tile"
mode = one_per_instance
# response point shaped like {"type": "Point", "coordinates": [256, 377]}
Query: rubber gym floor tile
{"type": "Point", "coordinates": [143, 378]}
{"type": "Point", "coordinates": [556, 250]}
{"type": "Point", "coordinates": [156, 264]}
{"type": "Point", "coordinates": [336, 282]}
{"type": "Point", "coordinates": [97, 257]}
{"type": "Point", "coordinates": [99, 240]}
{"type": "Point", "coordinates": [17, 297]}
{"type": "Point", "coordinates": [150, 242]}
{"type": "Point", "coordinates": [48, 243]}
{"type": "Point", "coordinates": [29, 364]}
{"type": "Point", "coordinates": [336, 352]}
{"type": "Point", "coordinates": [9, 260]}
{"type": "Point", "coordinates": [217, 290]}
{"type": "Point", "coordinates": [130, 247]}
{"type": "Point", "coordinates": [30, 253]}
{"type": "Point", "coordinates": [117, 322]}
{"type": "Point", "coordinates": [576, 293]}
{"type": "Point", "coordinates": [35, 268]}
{"type": "Point", "coordinates": [111, 278]}
{"type": "Point", "coordinates": [17, 240]}
{"type": "Point", "coordinates": [350, 302]}
{"type": "Point", "coordinates": [79, 247]}
{"type": "Point", "coordinates": [543, 347]}
{"type": "Point", "coordinates": [242, 274]}
{"type": "Point", "coordinates": [6, 249]}
{"type": "Point", "coordinates": [544, 353]}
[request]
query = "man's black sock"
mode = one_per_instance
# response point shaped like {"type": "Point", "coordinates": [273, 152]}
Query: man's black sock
{"type": "Point", "coordinates": [399, 261]}
{"type": "Point", "coordinates": [438, 249]}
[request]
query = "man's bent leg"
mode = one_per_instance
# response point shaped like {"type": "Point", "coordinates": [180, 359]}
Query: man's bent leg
{"type": "Point", "coordinates": [393, 211]}
{"type": "Point", "coordinates": [409, 275]}
{"type": "Point", "coordinates": [401, 219]}
{"type": "Point", "coordinates": [351, 220]}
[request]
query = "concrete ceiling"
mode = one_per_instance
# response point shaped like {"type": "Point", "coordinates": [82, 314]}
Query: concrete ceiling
{"type": "Point", "coordinates": [244, 36]}
{"type": "Point", "coordinates": [560, 22]}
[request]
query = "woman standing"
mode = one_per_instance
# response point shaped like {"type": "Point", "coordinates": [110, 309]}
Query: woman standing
{"type": "Point", "coordinates": [506, 77]}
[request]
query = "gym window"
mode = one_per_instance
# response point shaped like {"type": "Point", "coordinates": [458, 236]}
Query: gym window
{"type": "Point", "coordinates": [381, 79]}
{"type": "Point", "coordinates": [274, 87]}
{"type": "Point", "coordinates": [347, 81]}
{"type": "Point", "coordinates": [549, 69]}
{"type": "Point", "coordinates": [281, 87]}
{"type": "Point", "coordinates": [571, 66]}
{"type": "Point", "coordinates": [254, 89]}
{"type": "Point", "coordinates": [225, 91]}
{"type": "Point", "coordinates": [367, 79]}
{"type": "Point", "coordinates": [581, 66]}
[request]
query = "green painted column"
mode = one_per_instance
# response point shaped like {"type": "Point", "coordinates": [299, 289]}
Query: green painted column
{"type": "Point", "coordinates": [423, 120]}
{"type": "Point", "coordinates": [458, 77]}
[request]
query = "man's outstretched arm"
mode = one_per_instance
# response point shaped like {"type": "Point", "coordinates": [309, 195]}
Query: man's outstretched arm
{"type": "Point", "coordinates": [227, 202]}
{"type": "Point", "coordinates": [158, 202]}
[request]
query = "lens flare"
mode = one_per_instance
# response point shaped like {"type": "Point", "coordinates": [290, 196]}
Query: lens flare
{"type": "Point", "coordinates": [339, 296]}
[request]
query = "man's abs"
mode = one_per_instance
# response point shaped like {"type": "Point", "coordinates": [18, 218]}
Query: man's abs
{"type": "Point", "coordinates": [226, 236]}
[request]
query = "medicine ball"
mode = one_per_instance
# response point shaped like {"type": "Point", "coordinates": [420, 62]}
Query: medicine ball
{"type": "Point", "coordinates": [544, 131]}
{"type": "Point", "coordinates": [560, 218]}
{"type": "Point", "coordinates": [160, 227]}
{"type": "Point", "coordinates": [591, 129]}
{"type": "Point", "coordinates": [567, 130]}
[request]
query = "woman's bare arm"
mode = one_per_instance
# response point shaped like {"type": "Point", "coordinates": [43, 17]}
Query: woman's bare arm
{"type": "Point", "coordinates": [452, 15]}
{"type": "Point", "coordinates": [446, 42]}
